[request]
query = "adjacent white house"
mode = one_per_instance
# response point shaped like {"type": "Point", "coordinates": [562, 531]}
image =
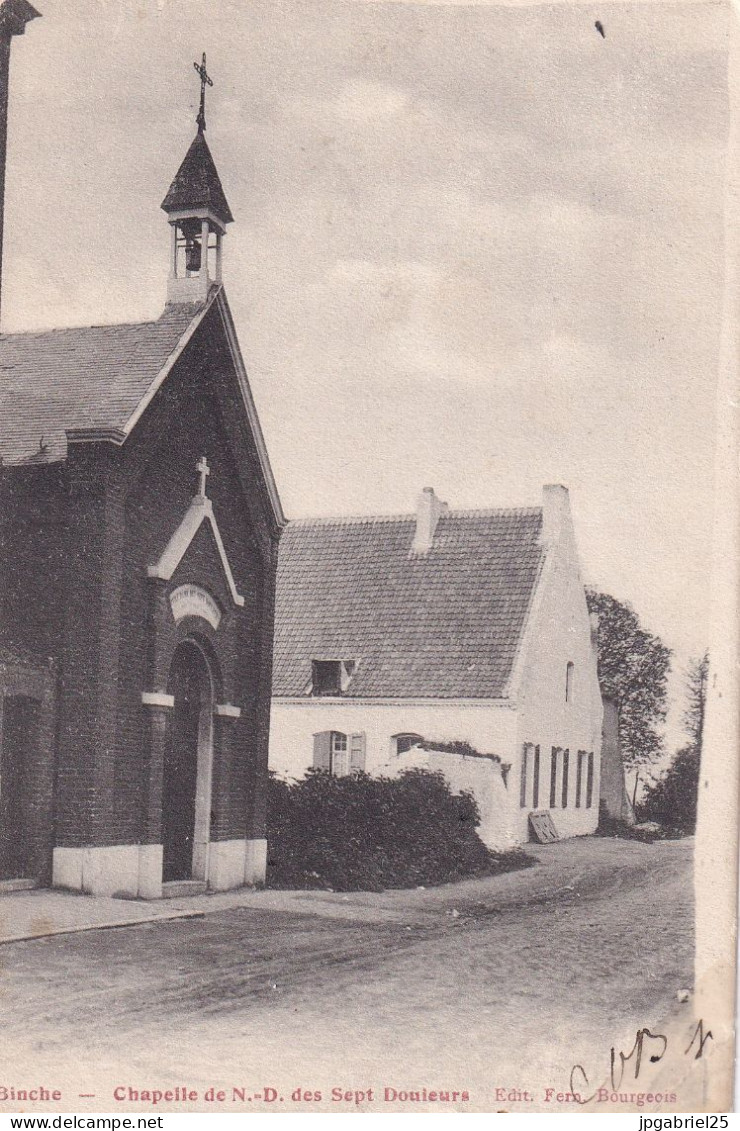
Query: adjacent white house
{"type": "Point", "coordinates": [398, 634]}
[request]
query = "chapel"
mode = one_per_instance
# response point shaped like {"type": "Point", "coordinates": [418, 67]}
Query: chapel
{"type": "Point", "coordinates": [139, 524]}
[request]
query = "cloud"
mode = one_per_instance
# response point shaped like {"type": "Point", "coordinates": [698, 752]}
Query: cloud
{"type": "Point", "coordinates": [476, 245]}
{"type": "Point", "coordinates": [358, 101]}
{"type": "Point", "coordinates": [362, 100]}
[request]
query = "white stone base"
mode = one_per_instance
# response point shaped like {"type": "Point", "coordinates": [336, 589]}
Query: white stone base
{"type": "Point", "coordinates": [125, 869]}
{"type": "Point", "coordinates": [150, 871]}
{"type": "Point", "coordinates": [226, 864]}
{"type": "Point", "coordinates": [232, 863]}
{"type": "Point", "coordinates": [256, 861]}
{"type": "Point", "coordinates": [135, 870]}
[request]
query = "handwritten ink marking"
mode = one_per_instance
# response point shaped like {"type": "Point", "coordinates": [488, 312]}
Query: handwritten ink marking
{"type": "Point", "coordinates": [655, 1052]}
{"type": "Point", "coordinates": [636, 1051]}
{"type": "Point", "coordinates": [703, 1038]}
{"type": "Point", "coordinates": [574, 1090]}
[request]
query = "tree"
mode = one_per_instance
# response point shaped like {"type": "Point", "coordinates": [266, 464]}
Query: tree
{"type": "Point", "coordinates": [672, 799]}
{"type": "Point", "coordinates": [697, 677]}
{"type": "Point", "coordinates": [633, 670]}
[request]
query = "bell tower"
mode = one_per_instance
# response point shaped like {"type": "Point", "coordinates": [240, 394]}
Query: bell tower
{"type": "Point", "coordinates": [198, 213]}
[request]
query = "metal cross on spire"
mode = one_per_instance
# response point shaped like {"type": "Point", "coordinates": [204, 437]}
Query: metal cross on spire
{"type": "Point", "coordinates": [205, 80]}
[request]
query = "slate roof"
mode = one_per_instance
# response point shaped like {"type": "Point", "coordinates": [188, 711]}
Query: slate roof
{"type": "Point", "coordinates": [86, 377]}
{"type": "Point", "coordinates": [443, 625]}
{"type": "Point", "coordinates": [197, 183]}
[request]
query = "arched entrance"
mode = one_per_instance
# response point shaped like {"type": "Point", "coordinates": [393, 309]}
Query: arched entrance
{"type": "Point", "coordinates": [186, 786]}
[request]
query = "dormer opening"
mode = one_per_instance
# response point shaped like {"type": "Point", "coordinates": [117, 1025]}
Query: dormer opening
{"type": "Point", "coordinates": [331, 677]}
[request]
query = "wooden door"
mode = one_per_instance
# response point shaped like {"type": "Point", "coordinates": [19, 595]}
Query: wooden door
{"type": "Point", "coordinates": [181, 765]}
{"type": "Point", "coordinates": [18, 729]}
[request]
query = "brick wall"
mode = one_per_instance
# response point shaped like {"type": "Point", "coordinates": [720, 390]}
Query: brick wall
{"type": "Point", "coordinates": [89, 662]}
{"type": "Point", "coordinates": [75, 541]}
{"type": "Point", "coordinates": [32, 558]}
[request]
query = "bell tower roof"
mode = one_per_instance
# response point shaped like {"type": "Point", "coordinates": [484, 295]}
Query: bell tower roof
{"type": "Point", "coordinates": [14, 15]}
{"type": "Point", "coordinates": [197, 184]}
{"type": "Point", "coordinates": [198, 212]}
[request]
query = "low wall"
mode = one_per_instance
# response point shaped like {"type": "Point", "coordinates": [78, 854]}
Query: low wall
{"type": "Point", "coordinates": [479, 775]}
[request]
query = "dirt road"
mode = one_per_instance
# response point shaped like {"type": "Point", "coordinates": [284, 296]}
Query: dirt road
{"type": "Point", "coordinates": [480, 985]}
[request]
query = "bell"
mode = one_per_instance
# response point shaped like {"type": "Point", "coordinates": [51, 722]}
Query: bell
{"type": "Point", "coordinates": [192, 256]}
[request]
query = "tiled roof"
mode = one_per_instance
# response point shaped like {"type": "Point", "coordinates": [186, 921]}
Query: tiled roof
{"type": "Point", "coordinates": [87, 377]}
{"type": "Point", "coordinates": [197, 183]}
{"type": "Point", "coordinates": [443, 625]}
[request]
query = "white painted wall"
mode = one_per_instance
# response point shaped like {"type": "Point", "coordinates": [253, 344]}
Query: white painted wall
{"type": "Point", "coordinates": [488, 725]}
{"type": "Point", "coordinates": [480, 776]}
{"type": "Point", "coordinates": [558, 631]}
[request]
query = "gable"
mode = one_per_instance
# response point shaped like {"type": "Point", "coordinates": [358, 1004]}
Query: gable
{"type": "Point", "coordinates": [89, 377]}
{"type": "Point", "coordinates": [94, 384]}
{"type": "Point", "coordinates": [447, 624]}
{"type": "Point", "coordinates": [198, 519]}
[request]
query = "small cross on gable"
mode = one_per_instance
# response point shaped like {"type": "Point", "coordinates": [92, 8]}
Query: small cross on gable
{"type": "Point", "coordinates": [204, 471]}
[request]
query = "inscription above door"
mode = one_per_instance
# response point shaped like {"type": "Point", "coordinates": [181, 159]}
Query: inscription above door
{"type": "Point", "coordinates": [193, 601]}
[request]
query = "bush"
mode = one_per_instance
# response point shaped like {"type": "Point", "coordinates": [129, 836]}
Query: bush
{"type": "Point", "coordinates": [468, 751]}
{"type": "Point", "coordinates": [457, 747]}
{"type": "Point", "coordinates": [646, 829]}
{"type": "Point", "coordinates": [362, 833]}
{"type": "Point", "coordinates": [611, 826]}
{"type": "Point", "coordinates": [672, 799]}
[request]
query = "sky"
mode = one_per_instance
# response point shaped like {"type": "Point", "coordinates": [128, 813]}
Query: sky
{"type": "Point", "coordinates": [477, 246]}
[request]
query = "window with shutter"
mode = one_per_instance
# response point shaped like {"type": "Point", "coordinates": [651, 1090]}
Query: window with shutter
{"type": "Point", "coordinates": [579, 777]}
{"type": "Point", "coordinates": [322, 750]}
{"type": "Point", "coordinates": [566, 760]}
{"type": "Point", "coordinates": [523, 784]}
{"type": "Point", "coordinates": [559, 762]}
{"type": "Point", "coordinates": [536, 778]}
{"type": "Point", "coordinates": [339, 754]}
{"type": "Point", "coordinates": [590, 780]}
{"type": "Point", "coordinates": [356, 753]}
{"type": "Point", "coordinates": [554, 759]}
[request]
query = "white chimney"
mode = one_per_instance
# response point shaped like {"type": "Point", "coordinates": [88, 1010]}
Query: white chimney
{"type": "Point", "coordinates": [555, 511]}
{"type": "Point", "coordinates": [428, 511]}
